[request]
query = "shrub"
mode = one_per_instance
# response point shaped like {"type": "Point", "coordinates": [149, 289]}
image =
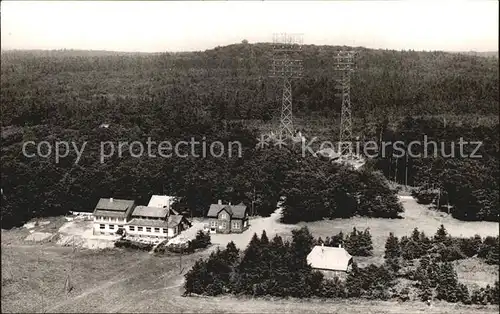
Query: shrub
{"type": "Point", "coordinates": [333, 288]}
{"type": "Point", "coordinates": [404, 294]}
{"type": "Point", "coordinates": [470, 246]}
{"type": "Point", "coordinates": [122, 243]}
{"type": "Point", "coordinates": [201, 241]}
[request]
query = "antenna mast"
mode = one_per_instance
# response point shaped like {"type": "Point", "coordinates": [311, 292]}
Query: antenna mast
{"type": "Point", "coordinates": [344, 65]}
{"type": "Point", "coordinates": [285, 47]}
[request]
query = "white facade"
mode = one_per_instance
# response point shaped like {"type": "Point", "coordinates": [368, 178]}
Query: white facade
{"type": "Point", "coordinates": [108, 225]}
{"type": "Point", "coordinates": [151, 232]}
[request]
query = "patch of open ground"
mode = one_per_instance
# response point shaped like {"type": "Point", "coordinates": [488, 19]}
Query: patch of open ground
{"type": "Point", "coordinates": [415, 216]}
{"type": "Point", "coordinates": [38, 236]}
{"type": "Point", "coordinates": [79, 232]}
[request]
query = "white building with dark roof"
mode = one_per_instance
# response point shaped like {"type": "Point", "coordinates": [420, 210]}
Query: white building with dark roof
{"type": "Point", "coordinates": [111, 214]}
{"type": "Point", "coordinates": [157, 220]}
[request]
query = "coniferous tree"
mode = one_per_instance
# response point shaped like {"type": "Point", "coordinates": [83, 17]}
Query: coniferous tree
{"type": "Point", "coordinates": [393, 264]}
{"type": "Point", "coordinates": [301, 246]}
{"type": "Point", "coordinates": [411, 250]}
{"type": "Point", "coordinates": [425, 242]}
{"type": "Point", "coordinates": [392, 248]}
{"type": "Point", "coordinates": [196, 278]}
{"type": "Point", "coordinates": [492, 257]}
{"type": "Point", "coordinates": [441, 235]}
{"type": "Point", "coordinates": [494, 295]}
{"type": "Point", "coordinates": [463, 294]}
{"type": "Point", "coordinates": [447, 288]}
{"type": "Point", "coordinates": [337, 240]}
{"type": "Point", "coordinates": [425, 290]}
{"type": "Point", "coordinates": [280, 256]}
{"type": "Point", "coordinates": [415, 235]}
{"type": "Point", "coordinates": [470, 246]}
{"type": "Point", "coordinates": [232, 253]}
{"type": "Point", "coordinates": [354, 281]}
{"type": "Point", "coordinates": [366, 248]}
{"type": "Point", "coordinates": [250, 267]}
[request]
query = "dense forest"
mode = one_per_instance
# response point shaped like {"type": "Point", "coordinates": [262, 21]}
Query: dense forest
{"type": "Point", "coordinates": [225, 94]}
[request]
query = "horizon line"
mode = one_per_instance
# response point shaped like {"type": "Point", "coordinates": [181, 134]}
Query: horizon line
{"type": "Point", "coordinates": [239, 43]}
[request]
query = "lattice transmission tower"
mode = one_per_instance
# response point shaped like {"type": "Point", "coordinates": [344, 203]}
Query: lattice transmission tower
{"type": "Point", "coordinates": [344, 64]}
{"type": "Point", "coordinates": [287, 66]}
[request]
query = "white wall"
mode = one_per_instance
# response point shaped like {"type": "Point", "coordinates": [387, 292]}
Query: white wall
{"type": "Point", "coordinates": [107, 229]}
{"type": "Point", "coordinates": [170, 232]}
{"type": "Point", "coordinates": [106, 221]}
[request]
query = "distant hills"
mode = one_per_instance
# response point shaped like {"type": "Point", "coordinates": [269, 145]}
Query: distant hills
{"type": "Point", "coordinates": [487, 54]}
{"type": "Point", "coordinates": [79, 52]}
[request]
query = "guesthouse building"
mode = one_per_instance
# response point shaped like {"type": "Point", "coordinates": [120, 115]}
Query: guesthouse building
{"type": "Point", "coordinates": [227, 218]}
{"type": "Point", "coordinates": [111, 214]}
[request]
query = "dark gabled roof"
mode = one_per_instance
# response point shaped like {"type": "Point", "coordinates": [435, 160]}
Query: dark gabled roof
{"type": "Point", "coordinates": [114, 204]}
{"type": "Point", "coordinates": [173, 220]}
{"type": "Point", "coordinates": [235, 211]}
{"type": "Point", "coordinates": [113, 207]}
{"type": "Point", "coordinates": [147, 211]}
{"type": "Point", "coordinates": [148, 223]}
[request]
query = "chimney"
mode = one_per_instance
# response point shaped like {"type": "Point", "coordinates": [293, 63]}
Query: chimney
{"type": "Point", "coordinates": [111, 200]}
{"type": "Point", "coordinates": [219, 202]}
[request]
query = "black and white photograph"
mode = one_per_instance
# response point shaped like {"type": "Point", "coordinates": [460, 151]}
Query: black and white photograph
{"type": "Point", "coordinates": [250, 156]}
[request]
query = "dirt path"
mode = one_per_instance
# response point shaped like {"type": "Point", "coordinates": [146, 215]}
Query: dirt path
{"type": "Point", "coordinates": [105, 285]}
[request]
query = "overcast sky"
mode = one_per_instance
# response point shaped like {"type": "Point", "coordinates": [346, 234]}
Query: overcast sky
{"type": "Point", "coordinates": [454, 25]}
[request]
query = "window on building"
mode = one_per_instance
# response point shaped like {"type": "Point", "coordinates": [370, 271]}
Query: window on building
{"type": "Point", "coordinates": [223, 216]}
{"type": "Point", "coordinates": [213, 224]}
{"type": "Point", "coordinates": [157, 229]}
{"type": "Point", "coordinates": [111, 227]}
{"type": "Point", "coordinates": [148, 229]}
{"type": "Point", "coordinates": [165, 230]}
{"type": "Point", "coordinates": [131, 228]}
{"type": "Point", "coordinates": [139, 228]}
{"type": "Point", "coordinates": [101, 226]}
{"type": "Point", "coordinates": [224, 225]}
{"type": "Point", "coordinates": [120, 226]}
{"type": "Point", "coordinates": [236, 224]}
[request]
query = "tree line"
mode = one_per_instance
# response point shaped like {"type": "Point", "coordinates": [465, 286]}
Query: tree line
{"type": "Point", "coordinates": [465, 186]}
{"type": "Point", "coordinates": [279, 268]}
{"type": "Point", "coordinates": [442, 246]}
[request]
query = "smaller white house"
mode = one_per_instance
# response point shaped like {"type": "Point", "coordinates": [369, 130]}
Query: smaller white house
{"type": "Point", "coordinates": [332, 261]}
{"type": "Point", "coordinates": [161, 201]}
